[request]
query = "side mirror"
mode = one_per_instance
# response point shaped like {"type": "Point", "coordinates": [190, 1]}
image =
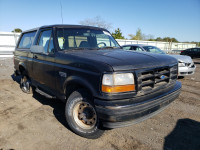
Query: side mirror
{"type": "Point", "coordinates": [37, 49]}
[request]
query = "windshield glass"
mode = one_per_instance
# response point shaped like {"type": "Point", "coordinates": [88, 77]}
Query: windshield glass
{"type": "Point", "coordinates": [74, 38]}
{"type": "Point", "coordinates": [153, 49]}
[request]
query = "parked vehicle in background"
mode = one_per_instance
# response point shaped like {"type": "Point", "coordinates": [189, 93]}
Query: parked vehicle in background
{"type": "Point", "coordinates": [192, 52]}
{"type": "Point", "coordinates": [100, 84]}
{"type": "Point", "coordinates": [185, 63]}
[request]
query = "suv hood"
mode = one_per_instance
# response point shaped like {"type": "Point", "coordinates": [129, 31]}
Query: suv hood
{"type": "Point", "coordinates": [182, 58]}
{"type": "Point", "coordinates": [125, 60]}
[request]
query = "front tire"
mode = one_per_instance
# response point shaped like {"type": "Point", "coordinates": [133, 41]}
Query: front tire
{"type": "Point", "coordinates": [81, 115]}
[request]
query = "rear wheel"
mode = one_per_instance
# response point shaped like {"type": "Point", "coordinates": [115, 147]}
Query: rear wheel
{"type": "Point", "coordinates": [25, 85]}
{"type": "Point", "coordinates": [81, 115]}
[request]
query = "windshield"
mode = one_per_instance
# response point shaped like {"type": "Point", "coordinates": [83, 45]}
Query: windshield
{"type": "Point", "coordinates": [74, 38]}
{"type": "Point", "coordinates": [153, 49]}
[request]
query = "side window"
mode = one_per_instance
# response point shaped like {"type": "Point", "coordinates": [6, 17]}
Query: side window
{"type": "Point", "coordinates": [126, 47]}
{"type": "Point", "coordinates": [26, 40]}
{"type": "Point", "coordinates": [133, 48]}
{"type": "Point", "coordinates": [139, 49]}
{"type": "Point", "coordinates": [44, 39]}
{"type": "Point", "coordinates": [195, 50]}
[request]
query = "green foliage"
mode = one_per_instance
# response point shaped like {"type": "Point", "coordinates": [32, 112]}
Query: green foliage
{"type": "Point", "coordinates": [138, 35]}
{"type": "Point", "coordinates": [118, 34]}
{"type": "Point", "coordinates": [158, 39]}
{"type": "Point", "coordinates": [18, 30]}
{"type": "Point", "coordinates": [166, 39]}
{"type": "Point", "coordinates": [151, 39]}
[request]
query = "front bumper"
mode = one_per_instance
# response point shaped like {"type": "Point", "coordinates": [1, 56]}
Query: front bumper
{"type": "Point", "coordinates": [120, 113]}
{"type": "Point", "coordinates": [183, 71]}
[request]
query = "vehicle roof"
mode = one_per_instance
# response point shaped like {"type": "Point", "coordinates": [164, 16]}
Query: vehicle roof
{"type": "Point", "coordinates": [192, 48]}
{"type": "Point", "coordinates": [65, 26]}
{"type": "Point", "coordinates": [136, 45]}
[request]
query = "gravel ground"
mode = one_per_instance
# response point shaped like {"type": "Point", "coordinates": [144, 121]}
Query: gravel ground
{"type": "Point", "coordinates": [35, 122]}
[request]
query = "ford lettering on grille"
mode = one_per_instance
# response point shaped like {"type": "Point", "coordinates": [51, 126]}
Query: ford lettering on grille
{"type": "Point", "coordinates": [162, 77]}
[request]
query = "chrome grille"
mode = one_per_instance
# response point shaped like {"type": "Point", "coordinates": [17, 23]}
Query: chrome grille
{"type": "Point", "coordinates": [157, 77]}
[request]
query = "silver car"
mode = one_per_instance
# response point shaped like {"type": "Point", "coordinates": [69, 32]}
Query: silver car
{"type": "Point", "coordinates": [185, 66]}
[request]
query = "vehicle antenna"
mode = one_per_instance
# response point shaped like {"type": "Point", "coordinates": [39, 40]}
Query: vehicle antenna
{"type": "Point", "coordinates": [61, 11]}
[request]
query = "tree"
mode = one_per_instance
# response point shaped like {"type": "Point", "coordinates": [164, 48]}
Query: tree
{"type": "Point", "coordinates": [148, 37]}
{"type": "Point", "coordinates": [168, 39]}
{"type": "Point", "coordinates": [97, 22]}
{"type": "Point", "coordinates": [18, 30]}
{"type": "Point", "coordinates": [117, 34]}
{"type": "Point", "coordinates": [138, 35]}
{"type": "Point", "coordinates": [159, 39]}
{"type": "Point", "coordinates": [174, 40]}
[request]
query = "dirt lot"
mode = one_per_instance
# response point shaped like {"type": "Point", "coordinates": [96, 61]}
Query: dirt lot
{"type": "Point", "coordinates": [35, 122]}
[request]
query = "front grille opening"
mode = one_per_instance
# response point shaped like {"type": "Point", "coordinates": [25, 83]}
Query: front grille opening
{"type": "Point", "coordinates": [155, 78]}
{"type": "Point", "coordinates": [187, 64]}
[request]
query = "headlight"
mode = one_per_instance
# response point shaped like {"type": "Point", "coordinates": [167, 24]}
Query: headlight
{"type": "Point", "coordinates": [181, 64]}
{"type": "Point", "coordinates": [118, 82]}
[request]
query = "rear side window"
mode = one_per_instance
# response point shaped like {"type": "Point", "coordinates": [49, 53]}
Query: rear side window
{"type": "Point", "coordinates": [27, 40]}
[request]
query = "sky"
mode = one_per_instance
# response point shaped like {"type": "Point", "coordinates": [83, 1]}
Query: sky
{"type": "Point", "coordinates": [161, 18]}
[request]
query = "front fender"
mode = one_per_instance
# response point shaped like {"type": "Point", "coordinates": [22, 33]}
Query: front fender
{"type": "Point", "coordinates": [80, 81]}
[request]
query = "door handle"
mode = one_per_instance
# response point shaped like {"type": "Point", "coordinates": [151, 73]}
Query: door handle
{"type": "Point", "coordinates": [35, 56]}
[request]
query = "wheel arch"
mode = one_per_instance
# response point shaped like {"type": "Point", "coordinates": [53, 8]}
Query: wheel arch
{"type": "Point", "coordinates": [74, 83]}
{"type": "Point", "coordinates": [22, 68]}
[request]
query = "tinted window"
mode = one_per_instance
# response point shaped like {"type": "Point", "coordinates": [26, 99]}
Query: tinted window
{"type": "Point", "coordinates": [44, 39]}
{"type": "Point", "coordinates": [27, 40]}
{"type": "Point", "coordinates": [195, 50]}
{"type": "Point", "coordinates": [187, 50]}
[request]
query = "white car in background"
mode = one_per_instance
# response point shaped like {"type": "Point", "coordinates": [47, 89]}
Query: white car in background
{"type": "Point", "coordinates": [185, 66]}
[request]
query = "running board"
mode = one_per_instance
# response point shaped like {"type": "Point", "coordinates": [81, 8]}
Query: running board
{"type": "Point", "coordinates": [44, 94]}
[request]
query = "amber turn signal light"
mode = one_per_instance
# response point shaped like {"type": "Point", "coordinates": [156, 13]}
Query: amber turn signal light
{"type": "Point", "coordinates": [118, 88]}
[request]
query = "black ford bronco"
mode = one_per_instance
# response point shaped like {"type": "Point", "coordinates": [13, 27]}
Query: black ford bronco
{"type": "Point", "coordinates": [102, 85]}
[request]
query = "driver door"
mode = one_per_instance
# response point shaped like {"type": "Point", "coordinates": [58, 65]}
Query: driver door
{"type": "Point", "coordinates": [43, 63]}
